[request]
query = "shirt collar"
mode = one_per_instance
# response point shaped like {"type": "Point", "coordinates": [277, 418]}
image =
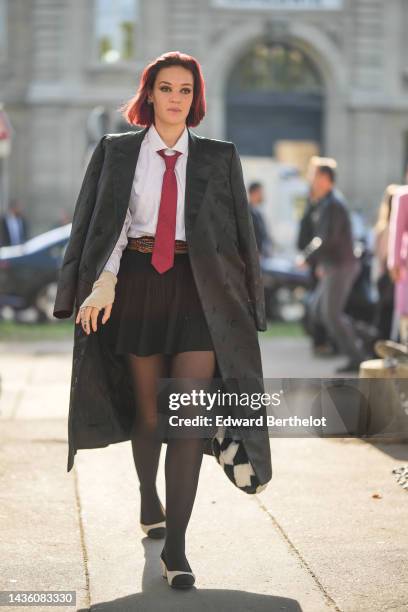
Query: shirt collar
{"type": "Point", "coordinates": [324, 199]}
{"type": "Point", "coordinates": [156, 142]}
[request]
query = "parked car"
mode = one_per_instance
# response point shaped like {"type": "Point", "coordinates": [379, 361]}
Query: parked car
{"type": "Point", "coordinates": [362, 302]}
{"type": "Point", "coordinates": [29, 272]}
{"type": "Point", "coordinates": [285, 288]}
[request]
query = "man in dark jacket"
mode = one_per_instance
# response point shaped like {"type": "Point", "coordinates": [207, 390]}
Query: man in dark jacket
{"type": "Point", "coordinates": [330, 251]}
{"type": "Point", "coordinates": [263, 239]}
{"type": "Point", "coordinates": [321, 344]}
{"type": "Point", "coordinates": [13, 226]}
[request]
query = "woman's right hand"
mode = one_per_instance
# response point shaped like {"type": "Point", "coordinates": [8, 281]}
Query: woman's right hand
{"type": "Point", "coordinates": [88, 317]}
{"type": "Point", "coordinates": [102, 297]}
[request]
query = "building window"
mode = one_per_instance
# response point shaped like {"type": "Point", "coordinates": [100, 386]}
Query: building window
{"type": "Point", "coordinates": [281, 90]}
{"type": "Point", "coordinates": [275, 67]}
{"type": "Point", "coordinates": [115, 29]}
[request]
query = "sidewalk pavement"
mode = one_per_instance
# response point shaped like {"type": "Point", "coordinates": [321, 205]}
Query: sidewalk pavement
{"type": "Point", "coordinates": [330, 532]}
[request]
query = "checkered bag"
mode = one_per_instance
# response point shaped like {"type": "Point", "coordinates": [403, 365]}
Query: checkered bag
{"type": "Point", "coordinates": [232, 457]}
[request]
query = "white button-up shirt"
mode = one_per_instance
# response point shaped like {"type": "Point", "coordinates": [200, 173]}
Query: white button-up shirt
{"type": "Point", "coordinates": [142, 214]}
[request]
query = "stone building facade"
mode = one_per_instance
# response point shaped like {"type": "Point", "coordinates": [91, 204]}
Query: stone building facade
{"type": "Point", "coordinates": [348, 89]}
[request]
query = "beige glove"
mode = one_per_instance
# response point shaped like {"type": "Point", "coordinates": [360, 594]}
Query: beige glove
{"type": "Point", "coordinates": [103, 291]}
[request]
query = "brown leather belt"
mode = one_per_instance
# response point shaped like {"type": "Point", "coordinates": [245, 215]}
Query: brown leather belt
{"type": "Point", "coordinates": [145, 244]}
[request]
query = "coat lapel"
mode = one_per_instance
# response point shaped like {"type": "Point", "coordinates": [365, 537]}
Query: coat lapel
{"type": "Point", "coordinates": [199, 164]}
{"type": "Point", "coordinates": [198, 171]}
{"type": "Point", "coordinates": [126, 153]}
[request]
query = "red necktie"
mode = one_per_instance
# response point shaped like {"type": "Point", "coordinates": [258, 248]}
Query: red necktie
{"type": "Point", "coordinates": [163, 250]}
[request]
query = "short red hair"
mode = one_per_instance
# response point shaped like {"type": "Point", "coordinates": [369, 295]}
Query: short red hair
{"type": "Point", "coordinates": [137, 111]}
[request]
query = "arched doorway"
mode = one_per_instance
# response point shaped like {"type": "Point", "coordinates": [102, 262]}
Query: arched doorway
{"type": "Point", "coordinates": [274, 92]}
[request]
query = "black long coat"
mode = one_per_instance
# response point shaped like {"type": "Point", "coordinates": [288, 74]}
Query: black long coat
{"type": "Point", "coordinates": [225, 265]}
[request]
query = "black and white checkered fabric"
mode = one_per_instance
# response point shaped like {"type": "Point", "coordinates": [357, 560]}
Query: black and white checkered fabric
{"type": "Point", "coordinates": [402, 476]}
{"type": "Point", "coordinates": [232, 457]}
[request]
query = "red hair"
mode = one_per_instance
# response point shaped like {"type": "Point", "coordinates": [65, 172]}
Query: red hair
{"type": "Point", "coordinates": [137, 111]}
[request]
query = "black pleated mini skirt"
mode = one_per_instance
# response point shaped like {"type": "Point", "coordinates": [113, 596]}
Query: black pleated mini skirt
{"type": "Point", "coordinates": [156, 313]}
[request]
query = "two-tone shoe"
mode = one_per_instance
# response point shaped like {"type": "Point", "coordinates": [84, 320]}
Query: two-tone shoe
{"type": "Point", "coordinates": [156, 531]}
{"type": "Point", "coordinates": [177, 579]}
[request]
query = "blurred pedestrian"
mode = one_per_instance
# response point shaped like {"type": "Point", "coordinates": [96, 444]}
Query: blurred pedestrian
{"type": "Point", "coordinates": [322, 344]}
{"type": "Point", "coordinates": [385, 284]}
{"type": "Point", "coordinates": [263, 238]}
{"type": "Point", "coordinates": [331, 251]}
{"type": "Point", "coordinates": [13, 225]}
{"type": "Point", "coordinates": [397, 260]}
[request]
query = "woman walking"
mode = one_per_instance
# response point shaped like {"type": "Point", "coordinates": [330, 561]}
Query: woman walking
{"type": "Point", "coordinates": [162, 223]}
{"type": "Point", "coordinates": [385, 285]}
{"type": "Point", "coordinates": [397, 258]}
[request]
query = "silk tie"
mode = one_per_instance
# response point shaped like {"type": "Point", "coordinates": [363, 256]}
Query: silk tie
{"type": "Point", "coordinates": [163, 250]}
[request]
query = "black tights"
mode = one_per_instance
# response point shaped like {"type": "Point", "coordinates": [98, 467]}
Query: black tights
{"type": "Point", "coordinates": [183, 455]}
